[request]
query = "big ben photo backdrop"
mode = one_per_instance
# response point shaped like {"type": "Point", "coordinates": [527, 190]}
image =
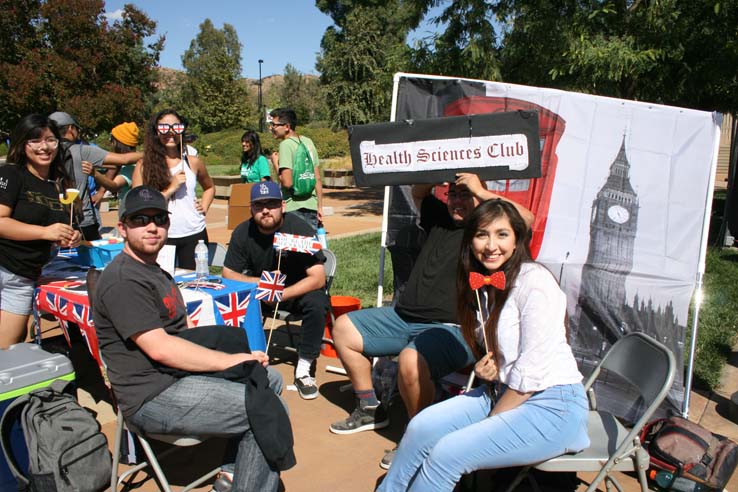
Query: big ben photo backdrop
{"type": "Point", "coordinates": [620, 208]}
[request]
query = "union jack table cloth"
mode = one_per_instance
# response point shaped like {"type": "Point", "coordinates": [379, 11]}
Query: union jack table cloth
{"type": "Point", "coordinates": [62, 292]}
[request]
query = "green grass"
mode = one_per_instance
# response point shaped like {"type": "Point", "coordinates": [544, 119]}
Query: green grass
{"type": "Point", "coordinates": [223, 169]}
{"type": "Point", "coordinates": [221, 150]}
{"type": "Point", "coordinates": [357, 258]}
{"type": "Point", "coordinates": [718, 323]}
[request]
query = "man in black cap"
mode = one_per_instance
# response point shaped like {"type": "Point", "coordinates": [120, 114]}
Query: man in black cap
{"type": "Point", "coordinates": [138, 312]}
{"type": "Point", "coordinates": [251, 252]}
{"type": "Point", "coordinates": [81, 161]}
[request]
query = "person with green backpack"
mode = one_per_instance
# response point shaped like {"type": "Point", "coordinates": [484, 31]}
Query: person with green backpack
{"type": "Point", "coordinates": [297, 167]}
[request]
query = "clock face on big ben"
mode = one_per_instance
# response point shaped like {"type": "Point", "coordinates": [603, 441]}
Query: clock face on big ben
{"type": "Point", "coordinates": [618, 214]}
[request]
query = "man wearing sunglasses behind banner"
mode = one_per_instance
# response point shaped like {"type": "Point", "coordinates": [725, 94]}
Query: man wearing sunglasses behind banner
{"type": "Point", "coordinates": [140, 318]}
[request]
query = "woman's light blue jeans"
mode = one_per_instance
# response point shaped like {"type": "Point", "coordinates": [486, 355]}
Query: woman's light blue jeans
{"type": "Point", "coordinates": [456, 436]}
{"type": "Point", "coordinates": [212, 407]}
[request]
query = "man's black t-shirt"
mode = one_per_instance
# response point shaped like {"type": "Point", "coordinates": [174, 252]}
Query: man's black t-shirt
{"type": "Point", "coordinates": [251, 252]}
{"type": "Point", "coordinates": [33, 201]}
{"type": "Point", "coordinates": [430, 292]}
{"type": "Point", "coordinates": [134, 297]}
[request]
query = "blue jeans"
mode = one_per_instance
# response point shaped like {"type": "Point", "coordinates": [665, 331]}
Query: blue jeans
{"type": "Point", "coordinates": [212, 407]}
{"type": "Point", "coordinates": [456, 436]}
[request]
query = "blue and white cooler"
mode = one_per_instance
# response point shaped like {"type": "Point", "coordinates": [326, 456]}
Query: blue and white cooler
{"type": "Point", "coordinates": [25, 367]}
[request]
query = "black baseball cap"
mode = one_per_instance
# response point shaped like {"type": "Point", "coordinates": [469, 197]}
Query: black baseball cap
{"type": "Point", "coordinates": [141, 198]}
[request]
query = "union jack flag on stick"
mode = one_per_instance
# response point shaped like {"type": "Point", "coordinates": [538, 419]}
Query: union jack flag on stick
{"type": "Point", "coordinates": [271, 286]}
{"type": "Point", "coordinates": [279, 296]}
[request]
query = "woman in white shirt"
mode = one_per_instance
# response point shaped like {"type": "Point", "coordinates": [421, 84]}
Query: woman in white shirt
{"type": "Point", "coordinates": [541, 409]}
{"type": "Point", "coordinates": [167, 167]}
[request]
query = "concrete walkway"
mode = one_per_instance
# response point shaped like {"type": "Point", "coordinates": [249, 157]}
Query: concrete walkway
{"type": "Point", "coordinates": [329, 462]}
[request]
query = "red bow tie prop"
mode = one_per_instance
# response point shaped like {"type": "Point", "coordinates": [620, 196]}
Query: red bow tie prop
{"type": "Point", "coordinates": [496, 280]}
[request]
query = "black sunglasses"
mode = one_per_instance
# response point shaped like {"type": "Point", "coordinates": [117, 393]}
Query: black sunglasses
{"type": "Point", "coordinates": [271, 123]}
{"type": "Point", "coordinates": [260, 205]}
{"type": "Point", "coordinates": [144, 220]}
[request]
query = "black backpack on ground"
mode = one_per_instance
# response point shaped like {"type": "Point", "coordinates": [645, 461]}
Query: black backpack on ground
{"type": "Point", "coordinates": [66, 450]}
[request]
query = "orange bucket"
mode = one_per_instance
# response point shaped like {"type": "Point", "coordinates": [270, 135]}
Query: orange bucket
{"type": "Point", "coordinates": [339, 305]}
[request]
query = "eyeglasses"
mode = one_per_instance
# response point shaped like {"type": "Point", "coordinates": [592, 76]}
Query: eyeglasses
{"type": "Point", "coordinates": [37, 144]}
{"type": "Point", "coordinates": [270, 204]}
{"type": "Point", "coordinates": [164, 128]}
{"type": "Point", "coordinates": [273, 124]}
{"type": "Point", "coordinates": [144, 220]}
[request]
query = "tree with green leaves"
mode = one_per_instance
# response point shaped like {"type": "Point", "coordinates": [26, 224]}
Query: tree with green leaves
{"type": "Point", "coordinates": [213, 96]}
{"type": "Point", "coordinates": [303, 94]}
{"type": "Point", "coordinates": [466, 44]}
{"type": "Point", "coordinates": [677, 52]}
{"type": "Point", "coordinates": [65, 55]}
{"type": "Point", "coordinates": [359, 55]}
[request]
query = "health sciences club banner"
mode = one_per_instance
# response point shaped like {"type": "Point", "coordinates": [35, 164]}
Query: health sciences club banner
{"type": "Point", "coordinates": [495, 146]}
{"type": "Point", "coordinates": [619, 207]}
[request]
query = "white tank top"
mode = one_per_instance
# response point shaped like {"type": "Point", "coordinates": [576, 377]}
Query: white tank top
{"type": "Point", "coordinates": [185, 219]}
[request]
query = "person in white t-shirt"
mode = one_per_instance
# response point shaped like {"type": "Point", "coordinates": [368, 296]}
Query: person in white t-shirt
{"type": "Point", "coordinates": [167, 167]}
{"type": "Point", "coordinates": [539, 409]}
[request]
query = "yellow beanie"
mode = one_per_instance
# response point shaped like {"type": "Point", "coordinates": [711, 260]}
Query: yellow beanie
{"type": "Point", "coordinates": [126, 133]}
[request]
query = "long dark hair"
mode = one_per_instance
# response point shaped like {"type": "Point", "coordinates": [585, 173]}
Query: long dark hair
{"type": "Point", "coordinates": [155, 172]}
{"type": "Point", "coordinates": [28, 128]}
{"type": "Point", "coordinates": [466, 305]}
{"type": "Point", "coordinates": [250, 157]}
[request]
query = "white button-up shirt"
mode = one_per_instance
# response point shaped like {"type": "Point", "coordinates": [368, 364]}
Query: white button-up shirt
{"type": "Point", "coordinates": [534, 353]}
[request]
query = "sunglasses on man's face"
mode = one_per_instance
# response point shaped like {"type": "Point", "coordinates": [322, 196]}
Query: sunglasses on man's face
{"type": "Point", "coordinates": [144, 220]}
{"type": "Point", "coordinates": [164, 128]}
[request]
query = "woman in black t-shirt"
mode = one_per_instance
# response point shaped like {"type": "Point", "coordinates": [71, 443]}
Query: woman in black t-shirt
{"type": "Point", "coordinates": [32, 219]}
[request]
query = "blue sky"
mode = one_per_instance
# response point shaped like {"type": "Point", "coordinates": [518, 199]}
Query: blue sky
{"type": "Point", "coordinates": [288, 31]}
{"type": "Point", "coordinates": [279, 33]}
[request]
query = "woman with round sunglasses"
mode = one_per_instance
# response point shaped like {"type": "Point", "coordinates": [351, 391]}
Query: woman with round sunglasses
{"type": "Point", "coordinates": [533, 405]}
{"type": "Point", "coordinates": [167, 167]}
{"type": "Point", "coordinates": [32, 219]}
{"type": "Point", "coordinates": [254, 166]}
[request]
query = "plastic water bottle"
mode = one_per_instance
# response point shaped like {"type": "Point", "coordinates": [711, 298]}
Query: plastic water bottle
{"type": "Point", "coordinates": [321, 236]}
{"type": "Point", "coordinates": [667, 481]}
{"type": "Point", "coordinates": [201, 260]}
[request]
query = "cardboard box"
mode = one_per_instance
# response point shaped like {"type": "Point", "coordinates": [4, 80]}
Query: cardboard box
{"type": "Point", "coordinates": [239, 204]}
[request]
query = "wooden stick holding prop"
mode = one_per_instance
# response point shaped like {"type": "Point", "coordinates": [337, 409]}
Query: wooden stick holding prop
{"type": "Point", "coordinates": [271, 284]}
{"type": "Point", "coordinates": [71, 196]}
{"type": "Point", "coordinates": [477, 281]}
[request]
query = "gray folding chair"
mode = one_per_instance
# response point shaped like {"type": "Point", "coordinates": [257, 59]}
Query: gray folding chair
{"type": "Point", "coordinates": [649, 367]}
{"type": "Point", "coordinates": [216, 254]}
{"type": "Point", "coordinates": [290, 317]}
{"type": "Point", "coordinates": [152, 459]}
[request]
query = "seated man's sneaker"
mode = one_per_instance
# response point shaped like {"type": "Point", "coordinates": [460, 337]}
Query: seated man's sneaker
{"type": "Point", "coordinates": [389, 455]}
{"type": "Point", "coordinates": [306, 387]}
{"type": "Point", "coordinates": [362, 419]}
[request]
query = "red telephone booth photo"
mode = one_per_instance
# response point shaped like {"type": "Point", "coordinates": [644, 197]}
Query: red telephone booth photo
{"type": "Point", "coordinates": [535, 194]}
